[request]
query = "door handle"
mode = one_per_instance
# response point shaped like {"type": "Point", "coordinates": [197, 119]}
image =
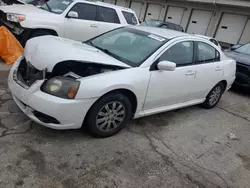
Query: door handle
{"type": "Point", "coordinates": [218, 68]}
{"type": "Point", "coordinates": [189, 73]}
{"type": "Point", "coordinates": [93, 25]}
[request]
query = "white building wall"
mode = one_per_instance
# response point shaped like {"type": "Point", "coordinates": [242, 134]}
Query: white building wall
{"type": "Point", "coordinates": [241, 7]}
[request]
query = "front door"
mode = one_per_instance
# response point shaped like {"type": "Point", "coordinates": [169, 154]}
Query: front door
{"type": "Point", "coordinates": [172, 87]}
{"type": "Point", "coordinates": [85, 26]}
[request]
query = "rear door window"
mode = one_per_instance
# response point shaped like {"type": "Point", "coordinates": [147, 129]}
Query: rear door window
{"type": "Point", "coordinates": [108, 15]}
{"type": "Point", "coordinates": [130, 18]}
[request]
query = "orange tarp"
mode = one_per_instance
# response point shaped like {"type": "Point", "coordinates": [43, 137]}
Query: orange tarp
{"type": "Point", "coordinates": [10, 48]}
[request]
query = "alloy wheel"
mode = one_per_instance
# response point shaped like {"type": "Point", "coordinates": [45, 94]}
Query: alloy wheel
{"type": "Point", "coordinates": [215, 95]}
{"type": "Point", "coordinates": [110, 116]}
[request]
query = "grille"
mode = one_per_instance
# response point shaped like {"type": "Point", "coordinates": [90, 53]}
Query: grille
{"type": "Point", "coordinates": [28, 74]}
{"type": "Point", "coordinates": [45, 118]}
{"type": "Point", "coordinates": [242, 69]}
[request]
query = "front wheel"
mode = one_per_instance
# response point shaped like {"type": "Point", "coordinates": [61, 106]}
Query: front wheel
{"type": "Point", "coordinates": [108, 115]}
{"type": "Point", "coordinates": [214, 96]}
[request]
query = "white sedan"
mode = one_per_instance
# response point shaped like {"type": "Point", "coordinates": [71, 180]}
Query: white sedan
{"type": "Point", "coordinates": [213, 40]}
{"type": "Point", "coordinates": [129, 72]}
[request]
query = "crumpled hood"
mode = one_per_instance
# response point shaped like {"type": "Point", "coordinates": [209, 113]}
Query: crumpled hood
{"type": "Point", "coordinates": [238, 57]}
{"type": "Point", "coordinates": [27, 10]}
{"type": "Point", "coordinates": [46, 51]}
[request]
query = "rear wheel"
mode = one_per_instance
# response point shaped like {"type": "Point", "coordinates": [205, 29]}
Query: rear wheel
{"type": "Point", "coordinates": [108, 115]}
{"type": "Point", "coordinates": [214, 96]}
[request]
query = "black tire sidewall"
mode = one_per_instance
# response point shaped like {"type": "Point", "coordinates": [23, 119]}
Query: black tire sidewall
{"type": "Point", "coordinates": [91, 116]}
{"type": "Point", "coordinates": [206, 104]}
{"type": "Point", "coordinates": [39, 34]}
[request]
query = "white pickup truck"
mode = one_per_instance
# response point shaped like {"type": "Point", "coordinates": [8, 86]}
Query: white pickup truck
{"type": "Point", "coordinates": [74, 19]}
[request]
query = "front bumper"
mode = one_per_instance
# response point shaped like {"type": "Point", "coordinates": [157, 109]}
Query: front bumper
{"type": "Point", "coordinates": [45, 109]}
{"type": "Point", "coordinates": [21, 34]}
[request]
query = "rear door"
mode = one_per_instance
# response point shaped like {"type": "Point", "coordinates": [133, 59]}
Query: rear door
{"type": "Point", "coordinates": [209, 69]}
{"type": "Point", "coordinates": [85, 26]}
{"type": "Point", "coordinates": [108, 19]}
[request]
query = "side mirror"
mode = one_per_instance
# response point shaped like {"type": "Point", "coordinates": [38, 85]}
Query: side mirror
{"type": "Point", "coordinates": [166, 66]}
{"type": "Point", "coordinates": [72, 14]}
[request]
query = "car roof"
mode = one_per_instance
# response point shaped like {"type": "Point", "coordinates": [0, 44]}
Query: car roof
{"type": "Point", "coordinates": [166, 33]}
{"type": "Point", "coordinates": [105, 4]}
{"type": "Point", "coordinates": [203, 36]}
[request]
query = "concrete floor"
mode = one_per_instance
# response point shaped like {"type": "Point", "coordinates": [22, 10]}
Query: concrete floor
{"type": "Point", "coordinates": [188, 148]}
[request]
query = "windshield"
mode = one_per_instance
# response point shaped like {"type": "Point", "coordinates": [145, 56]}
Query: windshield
{"type": "Point", "coordinates": [128, 45]}
{"type": "Point", "coordinates": [245, 49]}
{"type": "Point", "coordinates": [56, 6]}
{"type": "Point", "coordinates": [152, 23]}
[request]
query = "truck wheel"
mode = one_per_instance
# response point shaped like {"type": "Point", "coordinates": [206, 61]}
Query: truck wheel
{"type": "Point", "coordinates": [39, 33]}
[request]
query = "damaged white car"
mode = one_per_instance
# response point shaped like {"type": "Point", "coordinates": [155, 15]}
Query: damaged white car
{"type": "Point", "coordinates": [126, 73]}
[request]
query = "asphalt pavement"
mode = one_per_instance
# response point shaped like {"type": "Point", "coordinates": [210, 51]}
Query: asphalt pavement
{"type": "Point", "coordinates": [187, 148]}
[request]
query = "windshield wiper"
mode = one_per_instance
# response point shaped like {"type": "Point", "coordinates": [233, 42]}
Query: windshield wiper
{"type": "Point", "coordinates": [111, 54]}
{"type": "Point", "coordinates": [106, 51]}
{"type": "Point", "coordinates": [47, 6]}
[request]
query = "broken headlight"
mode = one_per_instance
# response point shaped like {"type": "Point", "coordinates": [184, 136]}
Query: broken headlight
{"type": "Point", "coordinates": [15, 17]}
{"type": "Point", "coordinates": [61, 87]}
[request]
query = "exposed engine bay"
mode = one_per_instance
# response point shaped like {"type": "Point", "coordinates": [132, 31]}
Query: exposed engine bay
{"type": "Point", "coordinates": [77, 70]}
{"type": "Point", "coordinates": [28, 74]}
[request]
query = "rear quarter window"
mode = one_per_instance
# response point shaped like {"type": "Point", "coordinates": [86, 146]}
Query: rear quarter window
{"type": "Point", "coordinates": [130, 18]}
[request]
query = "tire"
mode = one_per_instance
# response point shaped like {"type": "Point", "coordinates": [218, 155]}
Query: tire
{"type": "Point", "coordinates": [214, 96]}
{"type": "Point", "coordinates": [39, 33]}
{"type": "Point", "coordinates": [115, 121]}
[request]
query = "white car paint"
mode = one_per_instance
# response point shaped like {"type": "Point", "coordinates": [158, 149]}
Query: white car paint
{"type": "Point", "coordinates": [36, 18]}
{"type": "Point", "coordinates": [209, 38]}
{"type": "Point", "coordinates": [156, 91]}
